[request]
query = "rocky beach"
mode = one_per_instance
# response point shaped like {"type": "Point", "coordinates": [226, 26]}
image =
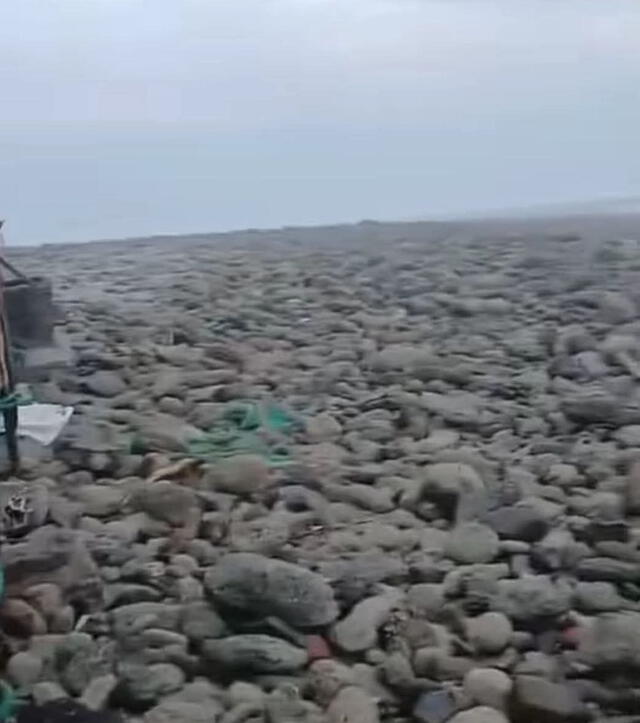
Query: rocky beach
{"type": "Point", "coordinates": [428, 511]}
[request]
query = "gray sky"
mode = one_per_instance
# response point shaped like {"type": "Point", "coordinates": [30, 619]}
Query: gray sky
{"type": "Point", "coordinates": [129, 117]}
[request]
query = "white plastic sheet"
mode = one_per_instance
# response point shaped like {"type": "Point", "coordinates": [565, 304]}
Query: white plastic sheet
{"type": "Point", "coordinates": [42, 422]}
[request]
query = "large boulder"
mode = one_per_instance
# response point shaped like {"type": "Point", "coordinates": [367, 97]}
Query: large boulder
{"type": "Point", "coordinates": [256, 584]}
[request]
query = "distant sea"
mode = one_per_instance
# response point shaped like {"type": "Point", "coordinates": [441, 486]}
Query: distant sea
{"type": "Point", "coordinates": [63, 184]}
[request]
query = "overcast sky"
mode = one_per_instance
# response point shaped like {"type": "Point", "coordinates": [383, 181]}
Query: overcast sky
{"type": "Point", "coordinates": [130, 117]}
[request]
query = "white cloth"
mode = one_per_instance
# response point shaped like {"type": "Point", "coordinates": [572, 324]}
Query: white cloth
{"type": "Point", "coordinates": [42, 422]}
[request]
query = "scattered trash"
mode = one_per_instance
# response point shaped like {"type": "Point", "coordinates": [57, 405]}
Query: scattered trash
{"type": "Point", "coordinates": [9, 702]}
{"type": "Point", "coordinates": [16, 512]}
{"type": "Point", "coordinates": [15, 399]}
{"type": "Point", "coordinates": [252, 416]}
{"type": "Point", "coordinates": [182, 470]}
{"type": "Point", "coordinates": [248, 429]}
{"type": "Point", "coordinates": [570, 637]}
{"type": "Point", "coordinates": [434, 707]}
{"type": "Point", "coordinates": [42, 422]}
{"type": "Point", "coordinates": [317, 648]}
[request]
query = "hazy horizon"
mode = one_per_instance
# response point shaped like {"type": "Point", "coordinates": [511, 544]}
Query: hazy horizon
{"type": "Point", "coordinates": [134, 117]}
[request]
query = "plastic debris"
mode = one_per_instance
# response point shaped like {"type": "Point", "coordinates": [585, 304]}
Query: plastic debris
{"type": "Point", "coordinates": [9, 703]}
{"type": "Point", "coordinates": [434, 707]}
{"type": "Point", "coordinates": [249, 428]}
{"type": "Point", "coordinates": [317, 648]}
{"type": "Point", "coordinates": [42, 422]}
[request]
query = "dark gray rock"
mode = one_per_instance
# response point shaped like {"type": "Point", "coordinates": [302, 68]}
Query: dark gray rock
{"type": "Point", "coordinates": [167, 501]}
{"type": "Point", "coordinates": [632, 490]}
{"type": "Point", "coordinates": [628, 436]}
{"type": "Point", "coordinates": [199, 621]}
{"type": "Point", "coordinates": [254, 654]}
{"type": "Point", "coordinates": [51, 554]}
{"type": "Point", "coordinates": [612, 643]}
{"type": "Point", "coordinates": [64, 711]}
{"type": "Point", "coordinates": [242, 474]}
{"type": "Point", "coordinates": [101, 500]}
{"type": "Point", "coordinates": [357, 577]}
{"type": "Point", "coordinates": [256, 584]}
{"type": "Point", "coordinates": [607, 569]}
{"type": "Point", "coordinates": [131, 619]}
{"type": "Point", "coordinates": [105, 383]}
{"type": "Point", "coordinates": [426, 599]}
{"type": "Point", "coordinates": [597, 597]}
{"type": "Point", "coordinates": [536, 698]}
{"type": "Point", "coordinates": [176, 711]}
{"type": "Point", "coordinates": [517, 522]}
{"type": "Point", "coordinates": [532, 597]}
{"type": "Point", "coordinates": [23, 669]}
{"type": "Point", "coordinates": [165, 433]}
{"type": "Point", "coordinates": [129, 593]}
{"type": "Point", "coordinates": [141, 686]}
{"type": "Point", "coordinates": [79, 659]}
{"type": "Point", "coordinates": [597, 406]}
{"type": "Point", "coordinates": [489, 633]}
{"type": "Point", "coordinates": [457, 489]}
{"type": "Point", "coordinates": [359, 629]}
{"type": "Point", "coordinates": [434, 707]}
{"type": "Point", "coordinates": [472, 542]}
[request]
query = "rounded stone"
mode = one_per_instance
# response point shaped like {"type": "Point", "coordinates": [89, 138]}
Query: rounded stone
{"type": "Point", "coordinates": [170, 711]}
{"type": "Point", "coordinates": [23, 669]}
{"type": "Point", "coordinates": [241, 692]}
{"type": "Point", "coordinates": [255, 653]}
{"type": "Point", "coordinates": [18, 618]}
{"type": "Point", "coordinates": [326, 678]}
{"type": "Point", "coordinates": [243, 474]}
{"type": "Point", "coordinates": [488, 687]}
{"type": "Point", "coordinates": [471, 543]}
{"type": "Point", "coordinates": [489, 633]}
{"type": "Point", "coordinates": [257, 584]}
{"type": "Point", "coordinates": [479, 714]}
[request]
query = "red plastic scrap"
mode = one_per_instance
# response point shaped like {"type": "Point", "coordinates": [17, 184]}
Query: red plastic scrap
{"type": "Point", "coordinates": [317, 648]}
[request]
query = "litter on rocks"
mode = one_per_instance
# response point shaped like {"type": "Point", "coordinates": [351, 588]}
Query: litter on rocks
{"type": "Point", "coordinates": [251, 428]}
{"type": "Point", "coordinates": [41, 422]}
{"type": "Point", "coordinates": [458, 540]}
